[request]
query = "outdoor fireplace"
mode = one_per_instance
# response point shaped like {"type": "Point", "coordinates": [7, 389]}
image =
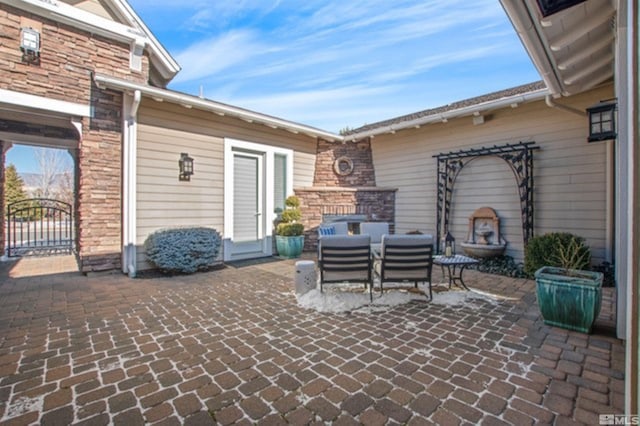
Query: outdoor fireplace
{"type": "Point", "coordinates": [353, 220]}
{"type": "Point", "coordinates": [344, 194]}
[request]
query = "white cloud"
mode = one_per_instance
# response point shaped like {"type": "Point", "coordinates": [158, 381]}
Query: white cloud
{"type": "Point", "coordinates": [210, 56]}
{"type": "Point", "coordinates": [326, 109]}
{"type": "Point", "coordinates": [331, 63]}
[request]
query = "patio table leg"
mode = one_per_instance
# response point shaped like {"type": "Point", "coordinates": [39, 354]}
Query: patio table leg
{"type": "Point", "coordinates": [453, 277]}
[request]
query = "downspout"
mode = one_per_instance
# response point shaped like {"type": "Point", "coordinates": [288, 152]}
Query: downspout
{"type": "Point", "coordinates": [129, 186]}
{"type": "Point", "coordinates": [551, 103]}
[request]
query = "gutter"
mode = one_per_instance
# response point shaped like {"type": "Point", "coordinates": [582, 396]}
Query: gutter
{"type": "Point", "coordinates": [190, 101]}
{"type": "Point", "coordinates": [456, 113]}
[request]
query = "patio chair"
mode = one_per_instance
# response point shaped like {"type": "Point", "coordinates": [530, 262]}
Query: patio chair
{"type": "Point", "coordinates": [405, 258]}
{"type": "Point", "coordinates": [332, 228]}
{"type": "Point", "coordinates": [345, 259]}
{"type": "Point", "coordinates": [376, 230]}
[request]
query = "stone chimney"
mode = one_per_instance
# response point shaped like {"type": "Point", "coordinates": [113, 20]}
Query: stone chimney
{"type": "Point", "coordinates": [344, 185]}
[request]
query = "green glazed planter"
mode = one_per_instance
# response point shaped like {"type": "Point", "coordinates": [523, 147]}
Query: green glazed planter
{"type": "Point", "coordinates": [569, 299]}
{"type": "Point", "coordinates": [289, 247]}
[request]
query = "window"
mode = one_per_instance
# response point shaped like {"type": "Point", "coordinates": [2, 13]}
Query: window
{"type": "Point", "coordinates": [279, 182]}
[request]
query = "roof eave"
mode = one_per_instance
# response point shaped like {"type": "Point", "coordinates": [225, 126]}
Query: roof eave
{"type": "Point", "coordinates": [160, 57]}
{"type": "Point", "coordinates": [440, 117]}
{"type": "Point", "coordinates": [190, 101]}
{"type": "Point", "coordinates": [525, 27]}
{"type": "Point", "coordinates": [77, 18]}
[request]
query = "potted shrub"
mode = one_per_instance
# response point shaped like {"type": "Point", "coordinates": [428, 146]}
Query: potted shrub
{"type": "Point", "coordinates": [289, 232]}
{"type": "Point", "coordinates": [569, 295]}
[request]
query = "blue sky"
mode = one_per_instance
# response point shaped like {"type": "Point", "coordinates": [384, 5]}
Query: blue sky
{"type": "Point", "coordinates": [334, 64]}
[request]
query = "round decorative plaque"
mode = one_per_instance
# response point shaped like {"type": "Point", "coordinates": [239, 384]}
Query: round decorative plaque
{"type": "Point", "coordinates": [343, 166]}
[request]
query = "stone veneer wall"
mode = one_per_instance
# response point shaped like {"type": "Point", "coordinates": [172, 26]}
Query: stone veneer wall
{"type": "Point", "coordinates": [360, 154]}
{"type": "Point", "coordinates": [69, 58]}
{"type": "Point", "coordinates": [99, 198]}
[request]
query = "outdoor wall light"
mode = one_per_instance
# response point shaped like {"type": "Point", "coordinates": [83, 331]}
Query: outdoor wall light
{"type": "Point", "coordinates": [602, 121]}
{"type": "Point", "coordinates": [186, 167]}
{"type": "Point", "coordinates": [30, 45]}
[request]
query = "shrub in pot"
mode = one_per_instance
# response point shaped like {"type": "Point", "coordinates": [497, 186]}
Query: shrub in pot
{"type": "Point", "coordinates": [289, 232]}
{"type": "Point", "coordinates": [569, 295]}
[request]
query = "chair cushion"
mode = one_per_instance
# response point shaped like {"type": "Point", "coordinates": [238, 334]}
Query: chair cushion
{"type": "Point", "coordinates": [342, 228]}
{"type": "Point", "coordinates": [326, 230]}
{"type": "Point", "coordinates": [375, 229]}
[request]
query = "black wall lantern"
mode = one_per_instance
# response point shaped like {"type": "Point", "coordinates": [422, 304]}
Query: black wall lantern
{"type": "Point", "coordinates": [602, 121]}
{"type": "Point", "coordinates": [186, 167]}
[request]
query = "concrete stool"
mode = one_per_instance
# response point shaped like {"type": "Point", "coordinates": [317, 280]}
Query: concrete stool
{"type": "Point", "coordinates": [306, 277]}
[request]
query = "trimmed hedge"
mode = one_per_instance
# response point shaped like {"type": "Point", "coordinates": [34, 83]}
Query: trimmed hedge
{"type": "Point", "coordinates": [183, 250]}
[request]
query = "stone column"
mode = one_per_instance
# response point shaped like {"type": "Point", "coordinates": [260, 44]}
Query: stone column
{"type": "Point", "coordinates": [100, 185]}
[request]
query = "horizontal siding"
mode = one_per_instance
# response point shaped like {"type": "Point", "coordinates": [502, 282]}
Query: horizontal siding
{"type": "Point", "coordinates": [166, 130]}
{"type": "Point", "coordinates": [92, 6]}
{"type": "Point", "coordinates": [569, 173]}
{"type": "Point", "coordinates": [488, 181]}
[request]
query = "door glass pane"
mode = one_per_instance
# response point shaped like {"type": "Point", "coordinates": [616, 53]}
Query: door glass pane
{"type": "Point", "coordinates": [280, 181]}
{"type": "Point", "coordinates": [245, 198]}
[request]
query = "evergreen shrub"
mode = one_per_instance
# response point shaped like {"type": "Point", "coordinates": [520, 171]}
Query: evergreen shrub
{"type": "Point", "coordinates": [289, 225]}
{"type": "Point", "coordinates": [557, 249]}
{"type": "Point", "coordinates": [183, 250]}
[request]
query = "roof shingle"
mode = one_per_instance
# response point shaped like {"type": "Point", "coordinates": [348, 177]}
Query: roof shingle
{"type": "Point", "coordinates": [514, 91]}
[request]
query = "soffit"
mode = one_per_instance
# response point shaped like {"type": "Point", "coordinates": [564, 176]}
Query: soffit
{"type": "Point", "coordinates": [220, 109]}
{"type": "Point", "coordinates": [573, 49]}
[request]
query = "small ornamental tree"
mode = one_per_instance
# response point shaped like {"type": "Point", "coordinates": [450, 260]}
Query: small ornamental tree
{"type": "Point", "coordinates": [289, 225]}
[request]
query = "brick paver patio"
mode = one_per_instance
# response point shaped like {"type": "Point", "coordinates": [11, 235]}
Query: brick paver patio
{"type": "Point", "coordinates": [232, 346]}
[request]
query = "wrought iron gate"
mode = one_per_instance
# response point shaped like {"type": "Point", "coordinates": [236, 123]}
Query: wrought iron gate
{"type": "Point", "coordinates": [39, 226]}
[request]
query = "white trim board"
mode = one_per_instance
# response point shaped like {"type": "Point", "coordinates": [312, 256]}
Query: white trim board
{"type": "Point", "coordinates": [78, 18]}
{"type": "Point", "coordinates": [25, 100]}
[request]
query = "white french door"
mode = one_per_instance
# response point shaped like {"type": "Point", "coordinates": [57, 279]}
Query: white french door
{"type": "Point", "coordinates": [257, 178]}
{"type": "Point", "coordinates": [248, 204]}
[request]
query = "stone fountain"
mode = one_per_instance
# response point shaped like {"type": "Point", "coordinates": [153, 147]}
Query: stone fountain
{"type": "Point", "coordinates": [483, 239]}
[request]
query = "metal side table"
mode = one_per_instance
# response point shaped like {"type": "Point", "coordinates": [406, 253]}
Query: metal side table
{"type": "Point", "coordinates": [455, 266]}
